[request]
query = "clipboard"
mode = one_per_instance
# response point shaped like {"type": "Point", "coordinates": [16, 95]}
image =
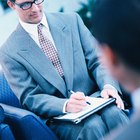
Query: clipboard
{"type": "Point", "coordinates": [96, 104]}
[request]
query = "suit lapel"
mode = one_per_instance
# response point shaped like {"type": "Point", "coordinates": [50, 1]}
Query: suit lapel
{"type": "Point", "coordinates": [63, 42]}
{"type": "Point", "coordinates": [36, 57]}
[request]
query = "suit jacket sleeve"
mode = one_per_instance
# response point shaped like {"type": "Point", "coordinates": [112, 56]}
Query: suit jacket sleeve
{"type": "Point", "coordinates": [28, 91]}
{"type": "Point", "coordinates": [92, 54]}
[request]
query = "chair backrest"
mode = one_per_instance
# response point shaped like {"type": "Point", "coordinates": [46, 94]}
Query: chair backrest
{"type": "Point", "coordinates": [24, 124]}
{"type": "Point", "coordinates": [5, 131]}
{"type": "Point", "coordinates": [6, 94]}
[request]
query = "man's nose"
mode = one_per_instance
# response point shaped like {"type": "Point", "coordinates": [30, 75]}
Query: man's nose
{"type": "Point", "coordinates": [34, 7]}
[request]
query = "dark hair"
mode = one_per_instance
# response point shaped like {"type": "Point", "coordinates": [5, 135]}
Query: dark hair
{"type": "Point", "coordinates": [117, 23]}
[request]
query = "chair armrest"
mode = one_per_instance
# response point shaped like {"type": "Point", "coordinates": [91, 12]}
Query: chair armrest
{"type": "Point", "coordinates": [26, 125]}
{"type": "Point", "coordinates": [5, 132]}
{"type": "Point", "coordinates": [1, 114]}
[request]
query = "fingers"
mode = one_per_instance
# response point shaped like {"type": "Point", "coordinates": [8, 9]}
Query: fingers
{"type": "Point", "coordinates": [76, 102]}
{"type": "Point", "coordinates": [107, 92]}
{"type": "Point", "coordinates": [119, 103]}
{"type": "Point", "coordinates": [78, 96]}
{"type": "Point", "coordinates": [74, 106]}
{"type": "Point", "coordinates": [104, 94]}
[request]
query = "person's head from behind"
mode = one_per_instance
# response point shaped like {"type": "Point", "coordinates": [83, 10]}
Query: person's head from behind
{"type": "Point", "coordinates": [29, 11]}
{"type": "Point", "coordinates": [116, 25]}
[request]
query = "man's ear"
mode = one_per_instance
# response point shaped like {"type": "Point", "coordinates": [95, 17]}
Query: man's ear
{"type": "Point", "coordinates": [11, 5]}
{"type": "Point", "coordinates": [110, 55]}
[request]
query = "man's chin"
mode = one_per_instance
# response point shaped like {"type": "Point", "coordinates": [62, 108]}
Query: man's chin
{"type": "Point", "coordinates": [35, 21]}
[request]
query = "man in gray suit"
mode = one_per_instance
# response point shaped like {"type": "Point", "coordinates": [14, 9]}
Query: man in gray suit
{"type": "Point", "coordinates": [41, 75]}
{"type": "Point", "coordinates": [116, 25]}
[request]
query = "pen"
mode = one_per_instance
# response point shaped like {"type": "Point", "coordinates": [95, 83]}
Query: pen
{"type": "Point", "coordinates": [74, 92]}
{"type": "Point", "coordinates": [88, 103]}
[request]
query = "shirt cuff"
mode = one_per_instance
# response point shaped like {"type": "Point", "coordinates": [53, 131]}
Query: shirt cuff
{"type": "Point", "coordinates": [64, 107]}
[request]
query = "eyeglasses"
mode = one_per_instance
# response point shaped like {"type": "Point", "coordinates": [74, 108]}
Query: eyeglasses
{"type": "Point", "coordinates": [28, 5]}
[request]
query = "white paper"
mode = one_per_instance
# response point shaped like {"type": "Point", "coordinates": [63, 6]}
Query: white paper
{"type": "Point", "coordinates": [94, 103]}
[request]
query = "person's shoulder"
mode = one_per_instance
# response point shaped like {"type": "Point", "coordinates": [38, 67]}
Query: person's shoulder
{"type": "Point", "coordinates": [69, 17]}
{"type": "Point", "coordinates": [136, 116]}
{"type": "Point", "coordinates": [65, 15]}
{"type": "Point", "coordinates": [6, 46]}
{"type": "Point", "coordinates": [126, 132]}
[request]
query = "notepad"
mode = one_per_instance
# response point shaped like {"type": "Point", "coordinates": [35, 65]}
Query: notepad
{"type": "Point", "coordinates": [95, 105]}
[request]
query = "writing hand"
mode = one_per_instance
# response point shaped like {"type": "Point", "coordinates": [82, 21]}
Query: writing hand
{"type": "Point", "coordinates": [76, 102]}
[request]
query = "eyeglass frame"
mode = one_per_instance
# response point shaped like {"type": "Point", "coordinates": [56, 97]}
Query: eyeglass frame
{"type": "Point", "coordinates": [20, 5]}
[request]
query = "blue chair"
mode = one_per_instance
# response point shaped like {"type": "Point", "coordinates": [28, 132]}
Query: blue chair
{"type": "Point", "coordinates": [5, 131]}
{"type": "Point", "coordinates": [24, 124]}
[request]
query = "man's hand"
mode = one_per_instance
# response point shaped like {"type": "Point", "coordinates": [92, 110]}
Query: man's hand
{"type": "Point", "coordinates": [76, 102]}
{"type": "Point", "coordinates": [111, 92]}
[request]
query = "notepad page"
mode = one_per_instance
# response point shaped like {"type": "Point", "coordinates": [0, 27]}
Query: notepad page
{"type": "Point", "coordinates": [95, 102]}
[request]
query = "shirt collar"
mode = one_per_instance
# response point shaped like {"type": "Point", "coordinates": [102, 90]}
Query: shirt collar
{"type": "Point", "coordinates": [32, 28]}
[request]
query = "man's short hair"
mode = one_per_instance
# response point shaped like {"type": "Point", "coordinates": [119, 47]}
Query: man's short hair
{"type": "Point", "coordinates": [117, 23]}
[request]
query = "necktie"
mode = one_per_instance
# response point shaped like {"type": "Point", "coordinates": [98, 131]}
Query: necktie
{"type": "Point", "coordinates": [49, 50]}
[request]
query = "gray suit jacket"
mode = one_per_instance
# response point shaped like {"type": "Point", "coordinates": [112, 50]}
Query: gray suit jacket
{"type": "Point", "coordinates": [34, 79]}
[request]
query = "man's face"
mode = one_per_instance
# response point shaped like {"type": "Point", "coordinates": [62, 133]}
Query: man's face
{"type": "Point", "coordinates": [32, 15]}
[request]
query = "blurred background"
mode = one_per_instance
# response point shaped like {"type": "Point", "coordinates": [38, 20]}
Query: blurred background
{"type": "Point", "coordinates": [8, 18]}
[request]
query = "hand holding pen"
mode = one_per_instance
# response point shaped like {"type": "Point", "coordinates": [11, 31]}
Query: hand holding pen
{"type": "Point", "coordinates": [76, 102]}
{"type": "Point", "coordinates": [88, 103]}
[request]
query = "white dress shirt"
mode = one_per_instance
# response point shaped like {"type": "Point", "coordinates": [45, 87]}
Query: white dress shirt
{"type": "Point", "coordinates": [33, 31]}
